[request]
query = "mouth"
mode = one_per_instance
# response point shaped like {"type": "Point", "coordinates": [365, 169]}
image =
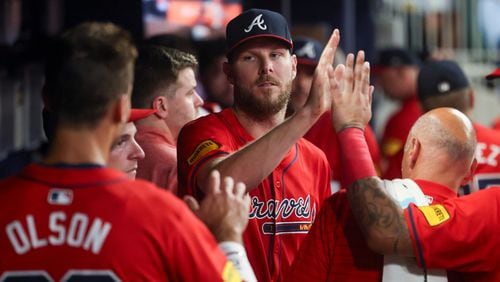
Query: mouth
{"type": "Point", "coordinates": [266, 84]}
{"type": "Point", "coordinates": [132, 170]}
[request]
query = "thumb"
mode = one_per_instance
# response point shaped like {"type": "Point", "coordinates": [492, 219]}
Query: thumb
{"type": "Point", "coordinates": [191, 202]}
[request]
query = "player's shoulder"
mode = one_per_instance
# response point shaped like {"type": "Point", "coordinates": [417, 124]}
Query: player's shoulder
{"type": "Point", "coordinates": [309, 148]}
{"type": "Point", "coordinates": [145, 196]}
{"type": "Point", "coordinates": [212, 119]}
{"type": "Point", "coordinates": [487, 134]}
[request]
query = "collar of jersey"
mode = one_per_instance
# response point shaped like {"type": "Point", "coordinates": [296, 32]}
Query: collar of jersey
{"type": "Point", "coordinates": [437, 191]}
{"type": "Point", "coordinates": [72, 176]}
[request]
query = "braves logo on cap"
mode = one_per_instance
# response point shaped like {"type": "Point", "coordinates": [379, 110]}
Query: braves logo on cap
{"type": "Point", "coordinates": [257, 21]}
{"type": "Point", "coordinates": [307, 51]}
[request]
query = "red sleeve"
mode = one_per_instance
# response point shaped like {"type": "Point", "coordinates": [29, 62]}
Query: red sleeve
{"type": "Point", "coordinates": [461, 234]}
{"type": "Point", "coordinates": [198, 142]}
{"type": "Point", "coordinates": [355, 156]}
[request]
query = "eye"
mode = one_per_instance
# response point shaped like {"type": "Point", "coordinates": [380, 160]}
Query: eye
{"type": "Point", "coordinates": [247, 58]}
{"type": "Point", "coordinates": [276, 55]}
{"type": "Point", "coordinates": [120, 142]}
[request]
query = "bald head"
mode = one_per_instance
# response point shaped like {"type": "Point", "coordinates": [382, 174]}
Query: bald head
{"type": "Point", "coordinates": [446, 145]}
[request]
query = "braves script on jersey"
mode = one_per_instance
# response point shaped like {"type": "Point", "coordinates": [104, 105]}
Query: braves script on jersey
{"type": "Point", "coordinates": [283, 206]}
{"type": "Point", "coordinates": [62, 223]}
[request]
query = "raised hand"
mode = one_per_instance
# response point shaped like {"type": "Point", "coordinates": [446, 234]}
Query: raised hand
{"type": "Point", "coordinates": [224, 210]}
{"type": "Point", "coordinates": [319, 99]}
{"type": "Point", "coordinates": [351, 93]}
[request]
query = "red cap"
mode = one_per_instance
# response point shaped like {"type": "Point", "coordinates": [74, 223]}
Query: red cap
{"type": "Point", "coordinates": [494, 74]}
{"type": "Point", "coordinates": [137, 114]}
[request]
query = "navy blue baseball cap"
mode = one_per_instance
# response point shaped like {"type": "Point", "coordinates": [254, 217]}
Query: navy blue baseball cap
{"type": "Point", "coordinates": [395, 57]}
{"type": "Point", "coordinates": [439, 78]}
{"type": "Point", "coordinates": [307, 50]}
{"type": "Point", "coordinates": [256, 23]}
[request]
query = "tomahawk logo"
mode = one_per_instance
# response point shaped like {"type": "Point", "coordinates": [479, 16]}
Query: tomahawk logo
{"type": "Point", "coordinates": [257, 21]}
{"type": "Point", "coordinates": [307, 50]}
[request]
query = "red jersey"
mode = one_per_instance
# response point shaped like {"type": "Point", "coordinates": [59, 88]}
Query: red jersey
{"type": "Point", "coordinates": [283, 206]}
{"type": "Point", "coordinates": [335, 249]}
{"type": "Point", "coordinates": [488, 159]}
{"type": "Point", "coordinates": [395, 134]}
{"type": "Point", "coordinates": [160, 164]}
{"type": "Point", "coordinates": [496, 124]}
{"type": "Point", "coordinates": [324, 137]}
{"type": "Point", "coordinates": [93, 222]}
{"type": "Point", "coordinates": [460, 234]}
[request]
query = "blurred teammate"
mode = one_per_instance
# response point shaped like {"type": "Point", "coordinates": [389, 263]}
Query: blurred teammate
{"type": "Point", "coordinates": [70, 217]}
{"type": "Point", "coordinates": [443, 84]}
{"type": "Point", "coordinates": [432, 234]}
{"type": "Point", "coordinates": [397, 71]}
{"type": "Point", "coordinates": [218, 91]}
{"type": "Point", "coordinates": [287, 177]}
{"type": "Point", "coordinates": [495, 74]}
{"type": "Point", "coordinates": [335, 247]}
{"type": "Point", "coordinates": [125, 152]}
{"type": "Point", "coordinates": [164, 81]}
{"type": "Point", "coordinates": [321, 133]}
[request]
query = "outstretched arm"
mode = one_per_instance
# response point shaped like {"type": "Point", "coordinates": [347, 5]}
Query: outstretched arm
{"type": "Point", "coordinates": [265, 153]}
{"type": "Point", "coordinates": [380, 219]}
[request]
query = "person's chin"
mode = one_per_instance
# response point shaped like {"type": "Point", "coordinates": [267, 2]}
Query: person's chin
{"type": "Point", "coordinates": [132, 174]}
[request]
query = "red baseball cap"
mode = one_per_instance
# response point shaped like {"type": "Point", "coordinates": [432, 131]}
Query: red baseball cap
{"type": "Point", "coordinates": [494, 74]}
{"type": "Point", "coordinates": [137, 114]}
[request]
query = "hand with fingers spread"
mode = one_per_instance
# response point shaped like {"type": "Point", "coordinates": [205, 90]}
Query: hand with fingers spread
{"type": "Point", "coordinates": [351, 93]}
{"type": "Point", "coordinates": [224, 210]}
{"type": "Point", "coordinates": [319, 97]}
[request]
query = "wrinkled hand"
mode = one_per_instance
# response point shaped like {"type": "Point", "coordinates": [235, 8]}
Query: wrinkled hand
{"type": "Point", "coordinates": [319, 99]}
{"type": "Point", "coordinates": [224, 210]}
{"type": "Point", "coordinates": [351, 93]}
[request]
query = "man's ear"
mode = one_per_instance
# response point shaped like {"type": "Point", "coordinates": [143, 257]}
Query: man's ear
{"type": "Point", "coordinates": [471, 99]}
{"type": "Point", "coordinates": [470, 174]}
{"type": "Point", "coordinates": [226, 67]}
{"type": "Point", "coordinates": [160, 104]}
{"type": "Point", "coordinates": [294, 66]}
{"type": "Point", "coordinates": [414, 151]}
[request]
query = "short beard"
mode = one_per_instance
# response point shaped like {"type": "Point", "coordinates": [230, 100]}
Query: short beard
{"type": "Point", "coordinates": [258, 109]}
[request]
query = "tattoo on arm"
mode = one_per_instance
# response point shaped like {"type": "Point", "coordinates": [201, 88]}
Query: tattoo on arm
{"type": "Point", "coordinates": [380, 219]}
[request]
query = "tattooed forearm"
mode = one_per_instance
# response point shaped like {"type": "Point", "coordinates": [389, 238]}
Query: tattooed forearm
{"type": "Point", "coordinates": [379, 218]}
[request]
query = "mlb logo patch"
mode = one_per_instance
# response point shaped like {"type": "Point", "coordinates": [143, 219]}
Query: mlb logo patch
{"type": "Point", "coordinates": [62, 197]}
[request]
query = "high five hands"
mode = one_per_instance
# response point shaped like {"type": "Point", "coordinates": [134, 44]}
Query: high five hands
{"type": "Point", "coordinates": [345, 90]}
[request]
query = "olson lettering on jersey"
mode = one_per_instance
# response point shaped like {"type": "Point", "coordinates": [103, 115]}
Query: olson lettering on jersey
{"type": "Point", "coordinates": [298, 211]}
{"type": "Point", "coordinates": [76, 230]}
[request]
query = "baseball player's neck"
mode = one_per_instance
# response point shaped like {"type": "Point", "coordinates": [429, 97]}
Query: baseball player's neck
{"type": "Point", "coordinates": [161, 126]}
{"type": "Point", "coordinates": [77, 146]}
{"type": "Point", "coordinates": [438, 174]}
{"type": "Point", "coordinates": [257, 127]}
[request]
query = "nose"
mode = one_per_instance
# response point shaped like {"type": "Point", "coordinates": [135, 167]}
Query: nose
{"type": "Point", "coordinates": [137, 152]}
{"type": "Point", "coordinates": [266, 66]}
{"type": "Point", "coordinates": [197, 100]}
